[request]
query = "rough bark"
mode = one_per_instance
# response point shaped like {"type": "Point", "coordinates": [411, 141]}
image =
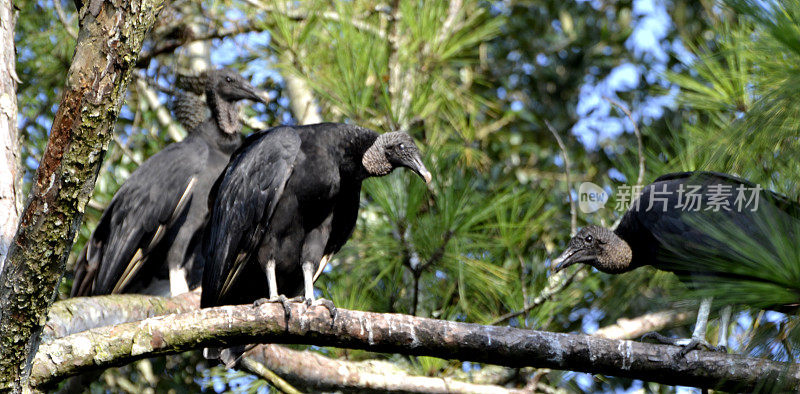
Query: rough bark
{"type": "Point", "coordinates": [394, 333]}
{"type": "Point", "coordinates": [81, 314]}
{"type": "Point", "coordinates": [314, 372]}
{"type": "Point", "coordinates": [84, 313]}
{"type": "Point", "coordinates": [10, 177]}
{"type": "Point", "coordinates": [109, 41]}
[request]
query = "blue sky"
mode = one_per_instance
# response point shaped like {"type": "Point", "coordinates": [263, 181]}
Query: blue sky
{"type": "Point", "coordinates": [650, 45]}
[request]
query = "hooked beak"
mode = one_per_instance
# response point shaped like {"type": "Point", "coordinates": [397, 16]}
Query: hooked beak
{"type": "Point", "coordinates": [420, 169]}
{"type": "Point", "coordinates": [569, 257]}
{"type": "Point", "coordinates": [254, 94]}
{"type": "Point", "coordinates": [258, 96]}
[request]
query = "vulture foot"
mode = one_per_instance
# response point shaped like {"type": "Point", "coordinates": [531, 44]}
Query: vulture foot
{"type": "Point", "coordinates": [327, 304]}
{"type": "Point", "coordinates": [287, 310]}
{"type": "Point", "coordinates": [686, 345]}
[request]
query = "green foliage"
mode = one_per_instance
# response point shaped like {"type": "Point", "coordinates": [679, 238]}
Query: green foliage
{"type": "Point", "coordinates": [743, 93]}
{"type": "Point", "coordinates": [475, 243]}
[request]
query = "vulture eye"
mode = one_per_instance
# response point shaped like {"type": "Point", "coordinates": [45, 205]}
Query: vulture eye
{"type": "Point", "coordinates": [402, 147]}
{"type": "Point", "coordinates": [589, 239]}
{"type": "Point", "coordinates": [228, 79]}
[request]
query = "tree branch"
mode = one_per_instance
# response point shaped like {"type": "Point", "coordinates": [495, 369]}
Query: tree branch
{"type": "Point", "coordinates": [301, 97]}
{"type": "Point", "coordinates": [64, 21]}
{"type": "Point", "coordinates": [110, 38]}
{"type": "Point", "coordinates": [232, 325]}
{"type": "Point", "coordinates": [301, 15]}
{"type": "Point", "coordinates": [261, 370]}
{"type": "Point", "coordinates": [555, 284]}
{"type": "Point", "coordinates": [638, 326]}
{"type": "Point", "coordinates": [573, 213]}
{"type": "Point", "coordinates": [10, 175]}
{"type": "Point", "coordinates": [79, 314]}
{"type": "Point", "coordinates": [636, 131]}
{"type": "Point", "coordinates": [84, 313]}
{"type": "Point", "coordinates": [315, 372]}
{"type": "Point", "coordinates": [162, 114]}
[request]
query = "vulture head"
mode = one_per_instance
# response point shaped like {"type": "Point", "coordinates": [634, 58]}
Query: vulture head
{"type": "Point", "coordinates": [228, 85]}
{"type": "Point", "coordinates": [596, 246]}
{"type": "Point", "coordinates": [393, 150]}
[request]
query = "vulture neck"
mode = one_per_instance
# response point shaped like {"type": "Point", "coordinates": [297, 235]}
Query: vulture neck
{"type": "Point", "coordinates": [355, 147]}
{"type": "Point", "coordinates": [221, 130]}
{"type": "Point", "coordinates": [210, 133]}
{"type": "Point", "coordinates": [616, 257]}
{"type": "Point", "coordinates": [224, 113]}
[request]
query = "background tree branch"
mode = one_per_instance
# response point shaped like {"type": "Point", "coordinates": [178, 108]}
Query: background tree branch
{"type": "Point", "coordinates": [404, 334]}
{"type": "Point", "coordinates": [638, 326]}
{"type": "Point", "coordinates": [10, 175]}
{"type": "Point", "coordinates": [315, 372]}
{"type": "Point", "coordinates": [109, 41]}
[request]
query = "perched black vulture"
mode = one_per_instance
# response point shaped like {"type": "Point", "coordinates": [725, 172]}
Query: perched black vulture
{"type": "Point", "coordinates": [149, 232]}
{"type": "Point", "coordinates": [287, 202]}
{"type": "Point", "coordinates": [685, 223]}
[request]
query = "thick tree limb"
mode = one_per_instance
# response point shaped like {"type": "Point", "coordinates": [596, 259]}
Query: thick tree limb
{"type": "Point", "coordinates": [231, 325]}
{"type": "Point", "coordinates": [84, 313]}
{"type": "Point", "coordinates": [109, 40]}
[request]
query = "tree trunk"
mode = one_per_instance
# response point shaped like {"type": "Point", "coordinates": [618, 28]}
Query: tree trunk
{"type": "Point", "coordinates": [109, 41]}
{"type": "Point", "coordinates": [10, 179]}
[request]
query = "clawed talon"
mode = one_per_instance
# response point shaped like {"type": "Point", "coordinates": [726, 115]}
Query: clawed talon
{"type": "Point", "coordinates": [327, 304]}
{"type": "Point", "coordinates": [686, 347]}
{"type": "Point", "coordinates": [699, 344]}
{"type": "Point", "coordinates": [287, 310]}
{"type": "Point", "coordinates": [310, 303]}
{"type": "Point", "coordinates": [662, 339]}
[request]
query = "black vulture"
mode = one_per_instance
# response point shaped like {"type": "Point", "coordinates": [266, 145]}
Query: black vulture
{"type": "Point", "coordinates": [286, 203]}
{"type": "Point", "coordinates": [151, 230]}
{"type": "Point", "coordinates": [691, 223]}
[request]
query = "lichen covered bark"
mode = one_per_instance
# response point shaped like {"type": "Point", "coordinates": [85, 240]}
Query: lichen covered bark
{"type": "Point", "coordinates": [84, 313]}
{"type": "Point", "coordinates": [109, 41]}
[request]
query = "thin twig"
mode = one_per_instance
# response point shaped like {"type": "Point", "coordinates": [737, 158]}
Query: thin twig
{"type": "Point", "coordinates": [523, 279]}
{"type": "Point", "coordinates": [162, 114]}
{"type": "Point", "coordinates": [63, 18]}
{"type": "Point", "coordinates": [573, 213]}
{"type": "Point", "coordinates": [638, 136]}
{"type": "Point", "coordinates": [300, 15]}
{"type": "Point", "coordinates": [556, 284]}
{"type": "Point", "coordinates": [271, 377]}
{"type": "Point", "coordinates": [126, 151]}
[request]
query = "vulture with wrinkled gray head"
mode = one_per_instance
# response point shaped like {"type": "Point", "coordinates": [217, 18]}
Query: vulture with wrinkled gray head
{"type": "Point", "coordinates": [147, 237]}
